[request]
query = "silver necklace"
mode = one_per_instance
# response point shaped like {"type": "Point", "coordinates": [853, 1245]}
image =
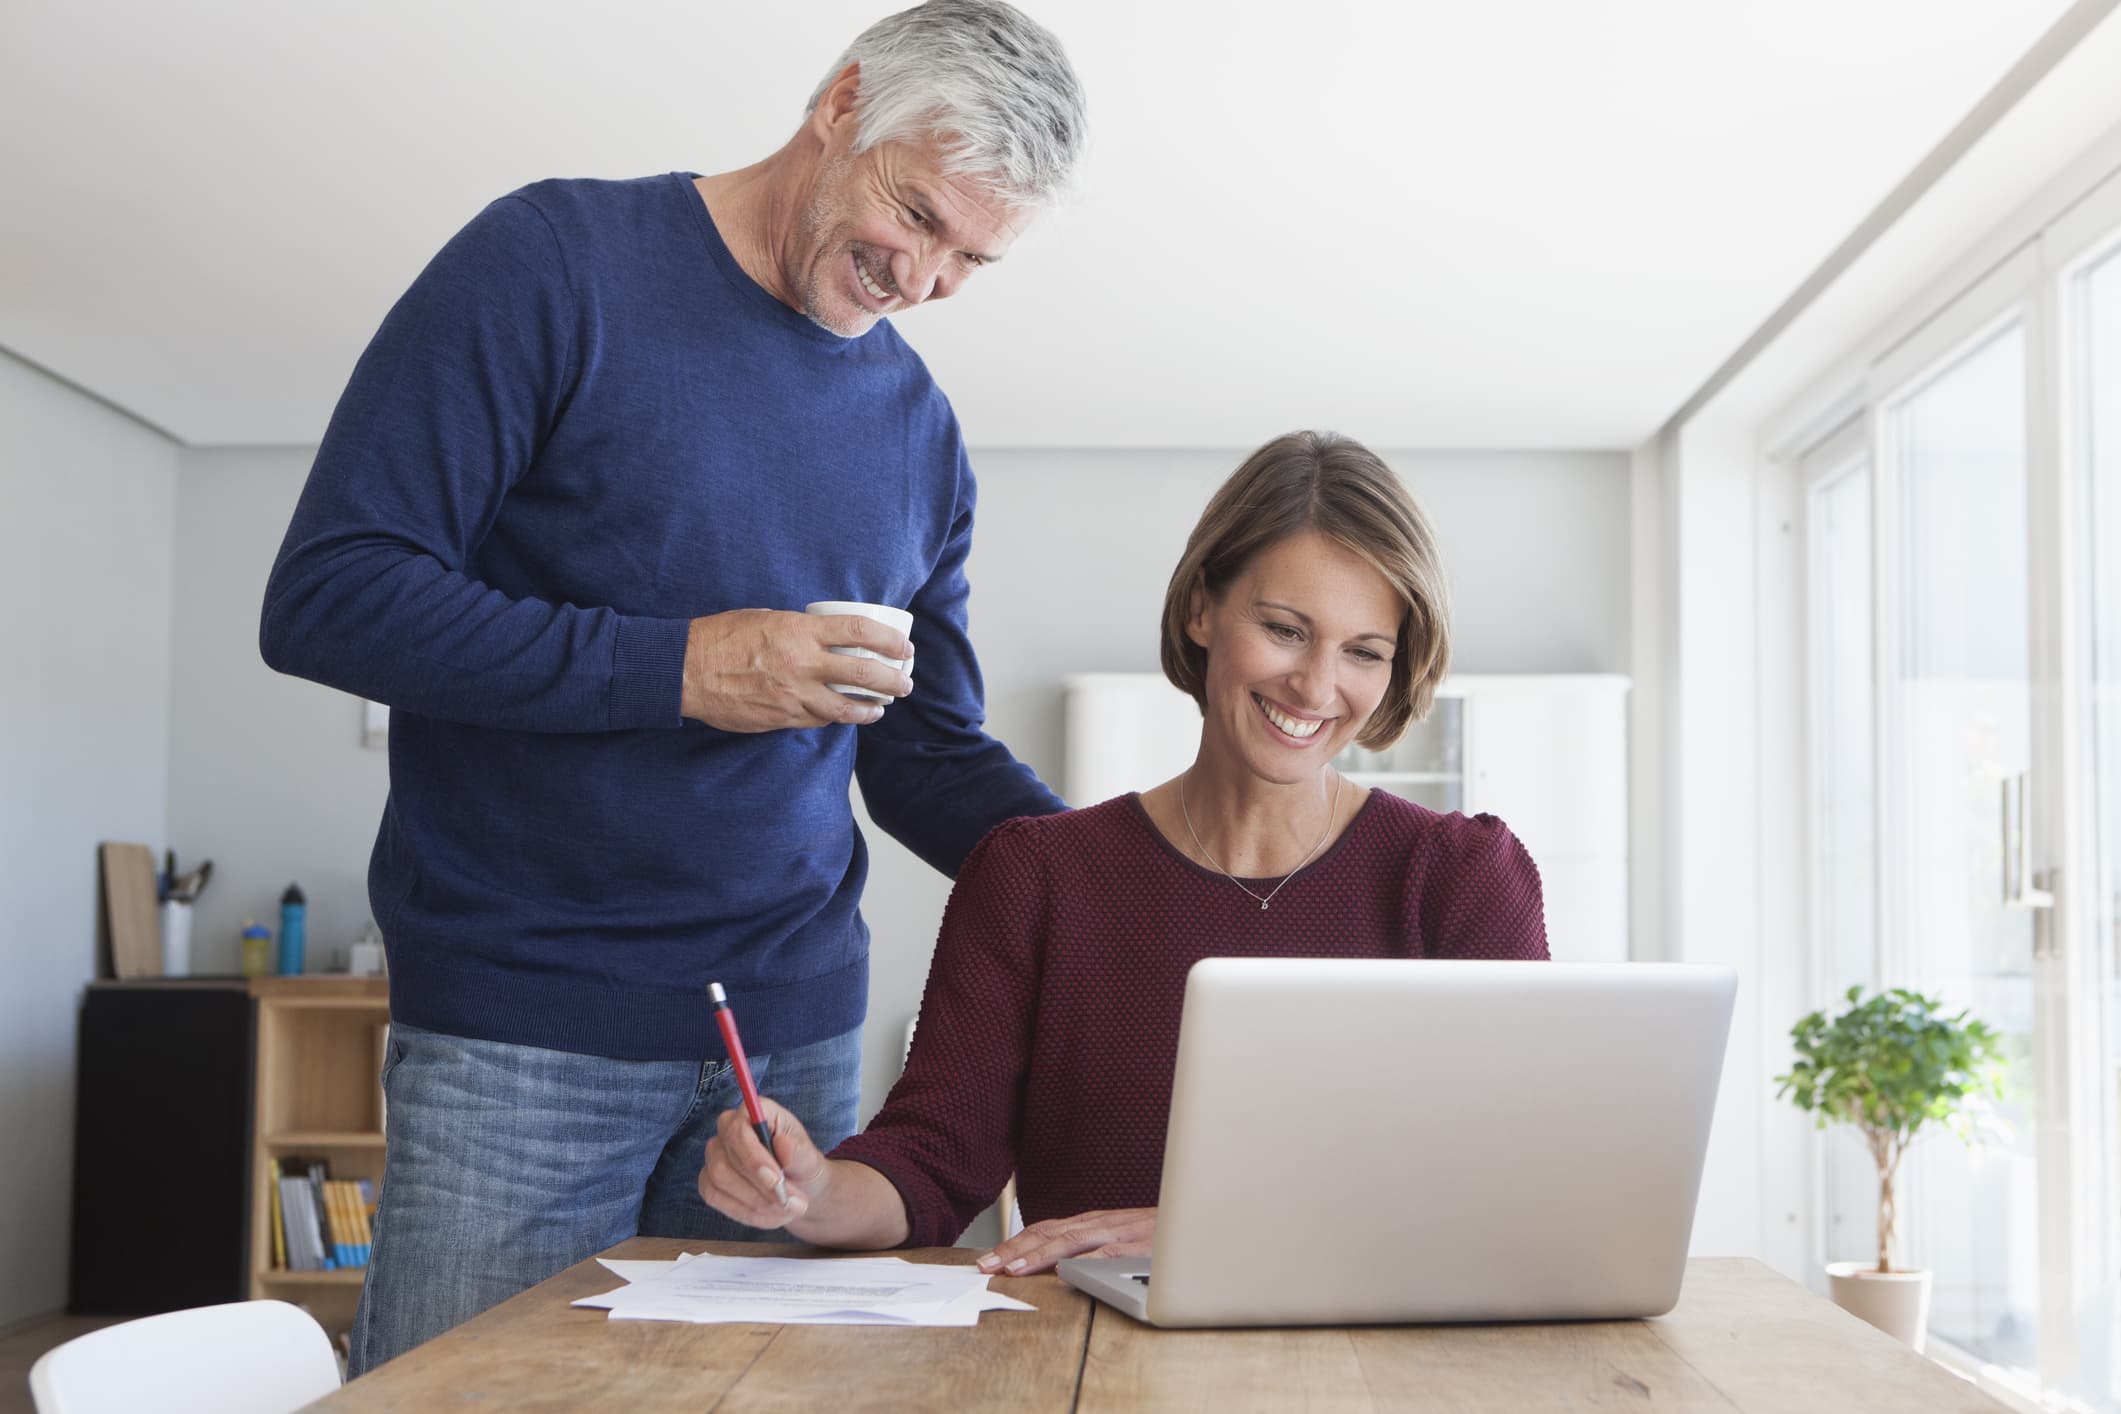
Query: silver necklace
{"type": "Point", "coordinates": [1264, 899]}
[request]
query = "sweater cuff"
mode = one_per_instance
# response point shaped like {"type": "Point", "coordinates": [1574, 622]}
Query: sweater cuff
{"type": "Point", "coordinates": [647, 674]}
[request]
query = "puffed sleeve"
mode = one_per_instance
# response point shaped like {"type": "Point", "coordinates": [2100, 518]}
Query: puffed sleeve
{"type": "Point", "coordinates": [1478, 894]}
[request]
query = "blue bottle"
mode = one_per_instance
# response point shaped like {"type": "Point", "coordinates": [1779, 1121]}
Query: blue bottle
{"type": "Point", "coordinates": [294, 911]}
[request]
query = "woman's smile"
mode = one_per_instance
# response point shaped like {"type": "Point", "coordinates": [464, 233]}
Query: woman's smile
{"type": "Point", "coordinates": [1296, 728]}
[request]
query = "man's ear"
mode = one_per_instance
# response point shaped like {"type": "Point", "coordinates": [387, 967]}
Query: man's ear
{"type": "Point", "coordinates": [834, 116]}
{"type": "Point", "coordinates": [1197, 614]}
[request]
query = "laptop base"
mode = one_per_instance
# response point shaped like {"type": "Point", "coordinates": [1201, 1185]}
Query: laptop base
{"type": "Point", "coordinates": [1121, 1282]}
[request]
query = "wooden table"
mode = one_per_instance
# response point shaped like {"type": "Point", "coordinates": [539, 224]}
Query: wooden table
{"type": "Point", "coordinates": [1742, 1339]}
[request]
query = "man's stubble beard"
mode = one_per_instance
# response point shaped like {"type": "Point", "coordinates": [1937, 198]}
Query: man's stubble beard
{"type": "Point", "coordinates": [819, 220]}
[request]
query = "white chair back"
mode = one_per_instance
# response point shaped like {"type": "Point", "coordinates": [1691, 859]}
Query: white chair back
{"type": "Point", "coordinates": [248, 1357]}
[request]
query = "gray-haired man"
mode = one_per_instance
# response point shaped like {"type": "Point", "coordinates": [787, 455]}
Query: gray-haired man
{"type": "Point", "coordinates": [564, 521]}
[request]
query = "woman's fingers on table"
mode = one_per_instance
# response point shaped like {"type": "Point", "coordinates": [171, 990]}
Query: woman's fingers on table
{"type": "Point", "coordinates": [1112, 1232]}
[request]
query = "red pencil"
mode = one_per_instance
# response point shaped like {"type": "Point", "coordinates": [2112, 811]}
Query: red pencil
{"type": "Point", "coordinates": [726, 1019]}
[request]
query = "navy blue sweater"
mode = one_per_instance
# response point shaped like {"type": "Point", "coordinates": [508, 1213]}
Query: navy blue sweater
{"type": "Point", "coordinates": [581, 427]}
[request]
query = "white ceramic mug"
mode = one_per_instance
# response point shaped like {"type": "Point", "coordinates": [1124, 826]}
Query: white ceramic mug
{"type": "Point", "coordinates": [883, 614]}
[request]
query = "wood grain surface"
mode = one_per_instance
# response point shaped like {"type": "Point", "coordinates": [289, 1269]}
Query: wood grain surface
{"type": "Point", "coordinates": [536, 1352]}
{"type": "Point", "coordinates": [1743, 1340]}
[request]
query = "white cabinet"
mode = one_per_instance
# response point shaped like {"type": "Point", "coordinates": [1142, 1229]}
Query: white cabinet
{"type": "Point", "coordinates": [1125, 731]}
{"type": "Point", "coordinates": [1545, 753]}
{"type": "Point", "coordinates": [1549, 756]}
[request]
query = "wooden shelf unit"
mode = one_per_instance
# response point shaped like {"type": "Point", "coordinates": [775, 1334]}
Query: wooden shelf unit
{"type": "Point", "coordinates": [302, 1140]}
{"type": "Point", "coordinates": [275, 1282]}
{"type": "Point", "coordinates": [315, 1095]}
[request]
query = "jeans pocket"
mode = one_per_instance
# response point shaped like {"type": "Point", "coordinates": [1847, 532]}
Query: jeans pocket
{"type": "Point", "coordinates": [393, 1052]}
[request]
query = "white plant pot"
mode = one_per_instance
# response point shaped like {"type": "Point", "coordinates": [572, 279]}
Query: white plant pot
{"type": "Point", "coordinates": [1896, 1302]}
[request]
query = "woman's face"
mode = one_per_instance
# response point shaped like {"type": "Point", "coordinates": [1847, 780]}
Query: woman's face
{"type": "Point", "coordinates": [1300, 651]}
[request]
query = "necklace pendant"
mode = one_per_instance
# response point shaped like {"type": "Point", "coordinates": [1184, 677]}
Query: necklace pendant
{"type": "Point", "coordinates": [1262, 905]}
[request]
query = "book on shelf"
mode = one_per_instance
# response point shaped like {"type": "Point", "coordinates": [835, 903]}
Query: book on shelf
{"type": "Point", "coordinates": [348, 1207]}
{"type": "Point", "coordinates": [320, 1223]}
{"type": "Point", "coordinates": [279, 1236]}
{"type": "Point", "coordinates": [335, 1224]}
{"type": "Point", "coordinates": [298, 1214]}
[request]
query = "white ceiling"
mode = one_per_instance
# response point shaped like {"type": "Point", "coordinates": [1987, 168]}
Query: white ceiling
{"type": "Point", "coordinates": [1439, 223]}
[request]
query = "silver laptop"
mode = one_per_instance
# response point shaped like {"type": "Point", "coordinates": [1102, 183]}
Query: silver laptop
{"type": "Point", "coordinates": [1357, 1141]}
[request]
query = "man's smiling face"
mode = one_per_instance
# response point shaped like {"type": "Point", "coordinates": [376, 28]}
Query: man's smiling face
{"type": "Point", "coordinates": [885, 230]}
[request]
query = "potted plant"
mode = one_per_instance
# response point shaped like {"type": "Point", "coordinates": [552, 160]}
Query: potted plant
{"type": "Point", "coordinates": [1889, 1066]}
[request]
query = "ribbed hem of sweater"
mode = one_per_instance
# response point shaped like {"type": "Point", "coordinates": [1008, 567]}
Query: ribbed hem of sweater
{"type": "Point", "coordinates": [586, 1017]}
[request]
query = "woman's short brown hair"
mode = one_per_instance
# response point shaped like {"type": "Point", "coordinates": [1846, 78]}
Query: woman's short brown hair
{"type": "Point", "coordinates": [1332, 484]}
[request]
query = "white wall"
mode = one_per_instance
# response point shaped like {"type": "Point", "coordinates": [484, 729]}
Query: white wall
{"type": "Point", "coordinates": [89, 497]}
{"type": "Point", "coordinates": [1709, 911]}
{"type": "Point", "coordinates": [267, 773]}
{"type": "Point", "coordinates": [1069, 564]}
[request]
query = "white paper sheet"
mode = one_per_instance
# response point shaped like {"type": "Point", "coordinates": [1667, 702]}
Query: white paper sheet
{"type": "Point", "coordinates": [797, 1291]}
{"type": "Point", "coordinates": [632, 1271]}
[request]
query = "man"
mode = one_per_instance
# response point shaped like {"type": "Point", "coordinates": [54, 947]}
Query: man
{"type": "Point", "coordinates": [563, 521]}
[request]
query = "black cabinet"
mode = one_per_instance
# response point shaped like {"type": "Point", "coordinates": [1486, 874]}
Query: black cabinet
{"type": "Point", "coordinates": [162, 1146]}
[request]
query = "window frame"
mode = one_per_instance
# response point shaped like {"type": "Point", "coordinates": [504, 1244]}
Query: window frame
{"type": "Point", "coordinates": [2025, 271]}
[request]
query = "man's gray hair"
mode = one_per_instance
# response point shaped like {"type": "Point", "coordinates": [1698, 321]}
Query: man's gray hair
{"type": "Point", "coordinates": [989, 82]}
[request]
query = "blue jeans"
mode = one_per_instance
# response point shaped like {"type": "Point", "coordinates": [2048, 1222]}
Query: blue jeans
{"type": "Point", "coordinates": [505, 1164]}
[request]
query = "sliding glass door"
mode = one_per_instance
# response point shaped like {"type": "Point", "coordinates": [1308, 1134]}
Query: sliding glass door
{"type": "Point", "coordinates": [1963, 586]}
{"type": "Point", "coordinates": [1958, 704]}
{"type": "Point", "coordinates": [1844, 834]}
{"type": "Point", "coordinates": [2091, 304]}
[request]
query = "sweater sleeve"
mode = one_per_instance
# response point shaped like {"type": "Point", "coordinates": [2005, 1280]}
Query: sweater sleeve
{"type": "Point", "coordinates": [931, 776]}
{"type": "Point", "coordinates": [445, 412]}
{"type": "Point", "coordinates": [946, 1137]}
{"type": "Point", "coordinates": [1480, 895]}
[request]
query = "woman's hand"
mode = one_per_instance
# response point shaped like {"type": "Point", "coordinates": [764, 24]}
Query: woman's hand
{"type": "Point", "coordinates": [1112, 1232]}
{"type": "Point", "coordinates": [739, 1176]}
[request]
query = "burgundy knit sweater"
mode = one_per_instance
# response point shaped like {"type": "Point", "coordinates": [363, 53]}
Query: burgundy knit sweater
{"type": "Point", "coordinates": [1049, 1030]}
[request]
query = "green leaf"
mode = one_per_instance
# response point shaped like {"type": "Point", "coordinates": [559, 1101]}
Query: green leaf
{"type": "Point", "coordinates": [1893, 1063]}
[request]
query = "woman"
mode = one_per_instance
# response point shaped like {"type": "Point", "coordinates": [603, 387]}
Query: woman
{"type": "Point", "coordinates": [1307, 613]}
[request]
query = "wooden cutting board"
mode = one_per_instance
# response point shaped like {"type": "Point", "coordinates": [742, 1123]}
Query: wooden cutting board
{"type": "Point", "coordinates": [131, 922]}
